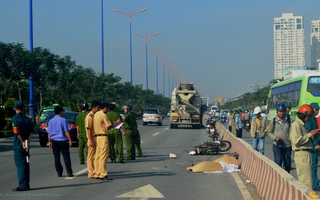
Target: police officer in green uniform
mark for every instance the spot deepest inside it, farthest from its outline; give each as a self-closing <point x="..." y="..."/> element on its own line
<point x="115" y="137"/>
<point x="23" y="131"/>
<point x="81" y="132"/>
<point x="130" y="125"/>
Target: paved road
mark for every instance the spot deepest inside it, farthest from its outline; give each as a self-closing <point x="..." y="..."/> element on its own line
<point x="155" y="176"/>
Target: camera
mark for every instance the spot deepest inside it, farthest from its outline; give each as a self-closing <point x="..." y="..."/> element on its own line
<point x="280" y="143"/>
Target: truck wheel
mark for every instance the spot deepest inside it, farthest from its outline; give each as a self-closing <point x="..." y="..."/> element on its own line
<point x="171" y="126"/>
<point x="144" y="124"/>
<point x="159" y="124"/>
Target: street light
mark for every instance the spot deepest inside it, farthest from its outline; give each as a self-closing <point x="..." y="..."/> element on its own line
<point x="31" y="105"/>
<point x="163" y="60"/>
<point x="130" y="14"/>
<point x="146" y="37"/>
<point x="169" y="77"/>
<point x="157" y="71"/>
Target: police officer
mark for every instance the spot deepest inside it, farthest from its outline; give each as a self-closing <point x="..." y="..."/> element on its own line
<point x="23" y="131"/>
<point x="81" y="132"/>
<point x="91" y="139"/>
<point x="101" y="125"/>
<point x="301" y="141"/>
<point x="279" y="132"/>
<point x="312" y="125"/>
<point x="115" y="137"/>
<point x="130" y="125"/>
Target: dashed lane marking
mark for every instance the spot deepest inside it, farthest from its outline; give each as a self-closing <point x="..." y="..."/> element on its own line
<point x="166" y="128"/>
<point x="156" y="134"/>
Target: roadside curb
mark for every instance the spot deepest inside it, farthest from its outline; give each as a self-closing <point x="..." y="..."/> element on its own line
<point x="271" y="181"/>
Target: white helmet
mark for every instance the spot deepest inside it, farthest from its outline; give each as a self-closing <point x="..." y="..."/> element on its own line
<point x="257" y="110"/>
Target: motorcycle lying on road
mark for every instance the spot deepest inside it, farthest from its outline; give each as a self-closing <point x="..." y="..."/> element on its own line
<point x="217" y="145"/>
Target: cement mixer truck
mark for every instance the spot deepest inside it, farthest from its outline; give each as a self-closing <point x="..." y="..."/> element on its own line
<point x="186" y="108"/>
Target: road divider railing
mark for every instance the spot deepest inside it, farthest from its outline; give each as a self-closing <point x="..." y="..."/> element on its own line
<point x="270" y="180"/>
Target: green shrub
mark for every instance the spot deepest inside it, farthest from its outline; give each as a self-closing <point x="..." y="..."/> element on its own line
<point x="2" y="118"/>
<point x="8" y="108"/>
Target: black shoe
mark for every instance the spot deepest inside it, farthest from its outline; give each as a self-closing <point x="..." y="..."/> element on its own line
<point x="70" y="175"/>
<point x="59" y="175"/>
<point x="81" y="163"/>
<point x="121" y="161"/>
<point x="19" y="189"/>
<point x="106" y="178"/>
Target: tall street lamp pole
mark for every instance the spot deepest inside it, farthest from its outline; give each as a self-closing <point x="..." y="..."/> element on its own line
<point x="130" y="14"/>
<point x="157" y="70"/>
<point x="31" y="94"/>
<point x="146" y="37"/>
<point x="102" y="40"/>
<point x="163" y="60"/>
<point x="169" y="77"/>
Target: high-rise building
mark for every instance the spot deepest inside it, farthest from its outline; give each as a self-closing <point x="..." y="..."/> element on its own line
<point x="289" y="44"/>
<point x="315" y="43"/>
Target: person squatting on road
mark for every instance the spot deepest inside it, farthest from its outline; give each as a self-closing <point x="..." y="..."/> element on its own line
<point x="130" y="125"/>
<point x="301" y="142"/>
<point x="81" y="132"/>
<point x="115" y="136"/>
<point x="279" y="132"/>
<point x="23" y="131"/>
<point x="259" y="128"/>
<point x="59" y="136"/>
<point x="312" y="125"/>
<point x="101" y="125"/>
<point x="91" y="139"/>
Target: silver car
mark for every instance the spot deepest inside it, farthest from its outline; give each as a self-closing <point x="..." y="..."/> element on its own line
<point x="152" y="116"/>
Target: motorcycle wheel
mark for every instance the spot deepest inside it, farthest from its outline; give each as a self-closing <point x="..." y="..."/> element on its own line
<point x="225" y="145"/>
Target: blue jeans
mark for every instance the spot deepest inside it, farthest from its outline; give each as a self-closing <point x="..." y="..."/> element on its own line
<point x="258" y="141"/>
<point x="282" y="154"/>
<point x="315" y="181"/>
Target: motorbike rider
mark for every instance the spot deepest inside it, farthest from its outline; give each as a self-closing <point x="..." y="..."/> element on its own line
<point x="247" y="120"/>
<point x="279" y="132"/>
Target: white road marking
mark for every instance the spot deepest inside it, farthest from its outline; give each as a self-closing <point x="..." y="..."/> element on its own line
<point x="166" y="128"/>
<point x="243" y="189"/>
<point x="145" y="192"/>
<point x="77" y="173"/>
<point x="156" y="134"/>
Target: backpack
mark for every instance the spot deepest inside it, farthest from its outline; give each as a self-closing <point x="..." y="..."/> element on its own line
<point x="274" y="123"/>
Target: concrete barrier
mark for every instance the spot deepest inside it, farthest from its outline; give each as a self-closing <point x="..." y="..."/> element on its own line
<point x="271" y="181"/>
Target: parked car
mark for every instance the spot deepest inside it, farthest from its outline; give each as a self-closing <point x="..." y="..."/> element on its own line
<point x="43" y="127"/>
<point x="152" y="116"/>
<point x="46" y="111"/>
<point x="168" y="114"/>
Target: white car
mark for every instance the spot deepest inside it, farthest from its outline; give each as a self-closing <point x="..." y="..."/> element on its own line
<point x="152" y="116"/>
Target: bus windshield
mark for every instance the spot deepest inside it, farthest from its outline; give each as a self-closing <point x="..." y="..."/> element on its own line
<point x="314" y="85"/>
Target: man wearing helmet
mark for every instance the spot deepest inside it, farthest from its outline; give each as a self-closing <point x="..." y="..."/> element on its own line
<point x="312" y="125"/>
<point x="301" y="142"/>
<point x="81" y="132"/>
<point x="279" y="132"/>
<point x="130" y="125"/>
<point x="259" y="128"/>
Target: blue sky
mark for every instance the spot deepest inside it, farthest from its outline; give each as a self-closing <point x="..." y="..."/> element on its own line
<point x="223" y="46"/>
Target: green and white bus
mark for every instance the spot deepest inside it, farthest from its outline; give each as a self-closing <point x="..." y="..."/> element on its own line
<point x="299" y="87"/>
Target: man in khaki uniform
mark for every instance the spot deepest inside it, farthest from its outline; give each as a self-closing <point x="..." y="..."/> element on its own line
<point x="301" y="142"/>
<point x="101" y="125"/>
<point x="91" y="140"/>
